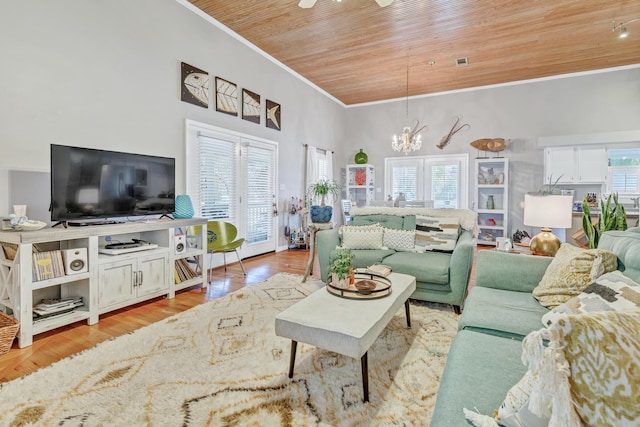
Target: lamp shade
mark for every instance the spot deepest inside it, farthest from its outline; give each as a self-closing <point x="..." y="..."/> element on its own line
<point x="551" y="211"/>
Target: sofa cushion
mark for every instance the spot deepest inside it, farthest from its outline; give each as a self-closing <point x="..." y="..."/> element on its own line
<point x="399" y="240"/>
<point x="610" y="292"/>
<point x="480" y="370"/>
<point x="500" y="312"/>
<point x="570" y="272"/>
<point x="388" y="221"/>
<point x="425" y="267"/>
<point x="626" y="245"/>
<point x="366" y="257"/>
<point x="436" y="234"/>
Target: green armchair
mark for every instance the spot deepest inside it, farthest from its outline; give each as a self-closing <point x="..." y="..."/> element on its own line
<point x="221" y="237"/>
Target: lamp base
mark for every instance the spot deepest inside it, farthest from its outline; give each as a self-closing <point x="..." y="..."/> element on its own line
<point x="545" y="243"/>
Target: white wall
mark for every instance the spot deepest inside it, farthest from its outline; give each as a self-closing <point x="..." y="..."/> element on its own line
<point x="106" y="74"/>
<point x="603" y="102"/>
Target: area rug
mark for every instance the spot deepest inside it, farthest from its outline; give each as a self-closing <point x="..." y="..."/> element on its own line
<point x="221" y="364"/>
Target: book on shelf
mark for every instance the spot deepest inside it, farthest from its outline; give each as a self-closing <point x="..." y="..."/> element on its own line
<point x="47" y="265"/>
<point x="183" y="271"/>
<point x="47" y="308"/>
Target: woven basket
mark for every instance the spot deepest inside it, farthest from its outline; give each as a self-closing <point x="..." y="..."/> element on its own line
<point x="8" y="330"/>
<point x="10" y="250"/>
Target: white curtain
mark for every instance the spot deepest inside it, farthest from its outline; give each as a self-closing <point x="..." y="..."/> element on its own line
<point x="312" y="167"/>
<point x="329" y="160"/>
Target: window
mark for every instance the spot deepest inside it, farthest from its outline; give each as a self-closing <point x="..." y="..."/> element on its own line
<point x="442" y="179"/>
<point x="232" y="178"/>
<point x="624" y="171"/>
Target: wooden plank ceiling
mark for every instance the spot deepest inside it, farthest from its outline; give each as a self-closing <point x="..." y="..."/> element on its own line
<point x="359" y="52"/>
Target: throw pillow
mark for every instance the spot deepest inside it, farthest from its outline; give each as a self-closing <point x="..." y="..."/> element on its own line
<point x="570" y="272"/>
<point x="399" y="240"/>
<point x="588" y="374"/>
<point x="436" y="234"/>
<point x="610" y="292"/>
<point x="362" y="237"/>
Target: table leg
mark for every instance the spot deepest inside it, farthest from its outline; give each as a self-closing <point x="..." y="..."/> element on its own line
<point x="406" y="310"/>
<point x="365" y="376"/>
<point x="292" y="358"/>
<point x="312" y="253"/>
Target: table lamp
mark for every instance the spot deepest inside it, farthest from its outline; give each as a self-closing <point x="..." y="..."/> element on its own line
<point x="550" y="211"/>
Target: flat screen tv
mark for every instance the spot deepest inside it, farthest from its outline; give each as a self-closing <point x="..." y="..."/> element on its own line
<point x="88" y="184"/>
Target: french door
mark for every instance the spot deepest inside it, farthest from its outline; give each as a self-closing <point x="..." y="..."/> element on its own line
<point x="232" y="177"/>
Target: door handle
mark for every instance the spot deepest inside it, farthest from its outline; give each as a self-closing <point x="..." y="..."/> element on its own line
<point x="135" y="279"/>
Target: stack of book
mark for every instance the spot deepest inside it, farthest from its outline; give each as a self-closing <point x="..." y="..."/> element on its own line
<point x="183" y="271"/>
<point x="48" y="308"/>
<point x="47" y="265"/>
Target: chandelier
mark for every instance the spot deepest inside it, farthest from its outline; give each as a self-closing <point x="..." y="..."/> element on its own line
<point x="410" y="138"/>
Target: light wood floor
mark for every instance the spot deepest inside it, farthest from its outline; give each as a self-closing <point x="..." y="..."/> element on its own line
<point x="55" y="345"/>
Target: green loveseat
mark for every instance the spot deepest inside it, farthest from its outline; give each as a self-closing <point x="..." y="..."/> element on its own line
<point x="484" y="359"/>
<point x="440" y="277"/>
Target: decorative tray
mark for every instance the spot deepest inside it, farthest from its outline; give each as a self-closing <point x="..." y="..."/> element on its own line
<point x="364" y="286"/>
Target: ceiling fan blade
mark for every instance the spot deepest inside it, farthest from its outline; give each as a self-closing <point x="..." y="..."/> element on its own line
<point x="306" y="4"/>
<point x="383" y="3"/>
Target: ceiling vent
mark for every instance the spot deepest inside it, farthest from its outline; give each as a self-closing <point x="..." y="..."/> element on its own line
<point x="462" y="62"/>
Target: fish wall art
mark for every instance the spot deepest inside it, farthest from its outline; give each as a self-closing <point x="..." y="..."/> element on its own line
<point x="194" y="86"/>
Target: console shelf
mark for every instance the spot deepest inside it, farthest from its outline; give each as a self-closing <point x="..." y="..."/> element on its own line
<point x="108" y="283"/>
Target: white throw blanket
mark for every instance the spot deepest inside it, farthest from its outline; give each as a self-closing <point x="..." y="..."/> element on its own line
<point x="466" y="217"/>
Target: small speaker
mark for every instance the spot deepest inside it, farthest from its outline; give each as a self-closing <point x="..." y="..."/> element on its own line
<point x="75" y="260"/>
<point x="181" y="243"/>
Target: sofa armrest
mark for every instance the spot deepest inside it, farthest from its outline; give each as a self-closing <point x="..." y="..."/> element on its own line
<point x="512" y="272"/>
<point x="460" y="267"/>
<point x="326" y="241"/>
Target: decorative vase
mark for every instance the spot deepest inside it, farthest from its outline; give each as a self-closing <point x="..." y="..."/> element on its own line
<point x="184" y="207"/>
<point x="320" y="214"/>
<point x="361" y="176"/>
<point x="361" y="158"/>
<point x="490" y="202"/>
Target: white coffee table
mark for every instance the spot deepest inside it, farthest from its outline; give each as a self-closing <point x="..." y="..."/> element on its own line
<point x="344" y="326"/>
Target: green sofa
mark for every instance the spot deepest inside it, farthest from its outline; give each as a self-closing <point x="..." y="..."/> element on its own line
<point x="484" y="359"/>
<point x="440" y="277"/>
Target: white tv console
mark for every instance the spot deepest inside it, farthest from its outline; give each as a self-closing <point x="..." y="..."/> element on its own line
<point x="110" y="282"/>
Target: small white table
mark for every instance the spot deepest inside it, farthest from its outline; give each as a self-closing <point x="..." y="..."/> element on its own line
<point x="344" y="326"/>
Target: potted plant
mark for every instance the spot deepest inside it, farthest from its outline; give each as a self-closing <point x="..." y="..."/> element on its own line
<point x="320" y="191"/>
<point x="342" y="269"/>
<point x="612" y="217"/>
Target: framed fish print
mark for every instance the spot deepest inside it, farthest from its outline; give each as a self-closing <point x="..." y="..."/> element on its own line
<point x="226" y="97"/>
<point x="250" y="106"/>
<point x="273" y="115"/>
<point x="194" y="86"/>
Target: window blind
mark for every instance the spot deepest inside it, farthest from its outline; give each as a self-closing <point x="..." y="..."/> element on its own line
<point x="217" y="187"/>
<point x="260" y="194"/>
<point x="445" y="184"/>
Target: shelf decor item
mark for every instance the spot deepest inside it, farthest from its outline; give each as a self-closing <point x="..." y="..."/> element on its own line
<point x="184" y="207"/>
<point x="361" y="158"/>
<point x="8" y="330"/>
<point x="491" y="204"/>
<point x="361" y="177"/>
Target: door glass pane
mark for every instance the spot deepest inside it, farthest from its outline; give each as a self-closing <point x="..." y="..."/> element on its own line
<point x="445" y="185"/>
<point x="260" y="193"/>
<point x="404" y="180"/>
<point x="217" y="187"/>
